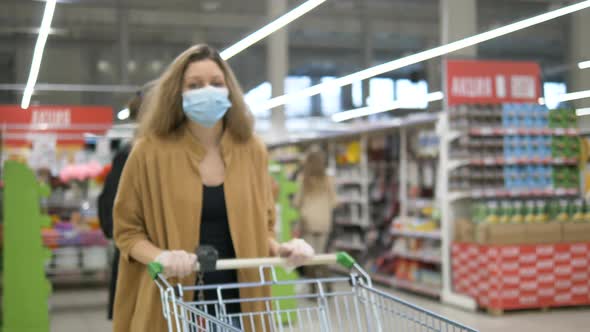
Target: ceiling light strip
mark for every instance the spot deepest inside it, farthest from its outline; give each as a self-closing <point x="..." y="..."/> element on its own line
<point x="584" y="64"/>
<point x="270" y="28"/>
<point x="422" y="56"/>
<point x="38" y="53"/>
<point x="370" y="110"/>
<point x="573" y="96"/>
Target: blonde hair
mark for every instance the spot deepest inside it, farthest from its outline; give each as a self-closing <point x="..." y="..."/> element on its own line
<point x="314" y="172"/>
<point x="162" y="113"/>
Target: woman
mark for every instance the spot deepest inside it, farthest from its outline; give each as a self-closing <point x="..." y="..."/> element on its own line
<point x="198" y="175"/>
<point x="315" y="199"/>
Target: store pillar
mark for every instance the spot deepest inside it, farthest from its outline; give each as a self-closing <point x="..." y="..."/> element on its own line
<point x="579" y="79"/>
<point x="277" y="63"/>
<point x="123" y="39"/>
<point x="346" y="97"/>
<point x="459" y="20"/>
<point x="366" y="35"/>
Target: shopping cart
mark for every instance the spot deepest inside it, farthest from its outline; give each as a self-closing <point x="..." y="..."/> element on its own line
<point x="353" y="305"/>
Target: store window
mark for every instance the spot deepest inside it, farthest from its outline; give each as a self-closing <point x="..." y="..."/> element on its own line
<point x="552" y="90"/>
<point x="381" y="91"/>
<point x="302" y="106"/>
<point x="331" y="99"/>
<point x="263" y="92"/>
<point x="357" y="94"/>
<point x="412" y="94"/>
<point x="257" y="96"/>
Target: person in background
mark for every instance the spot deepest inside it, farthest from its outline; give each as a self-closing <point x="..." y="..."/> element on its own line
<point x="197" y="175"/>
<point x="316" y="199"/>
<point x="106" y="199"/>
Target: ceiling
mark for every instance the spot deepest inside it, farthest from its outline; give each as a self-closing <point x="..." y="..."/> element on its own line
<point x="327" y="41"/>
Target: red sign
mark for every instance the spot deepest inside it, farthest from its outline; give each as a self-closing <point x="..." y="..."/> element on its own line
<point x="68" y="123"/>
<point x="492" y="82"/>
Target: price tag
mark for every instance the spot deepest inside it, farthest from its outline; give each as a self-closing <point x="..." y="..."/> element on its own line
<point x="486" y="131"/>
<point x="559" y="131"/>
<point x="489" y="161"/>
<point x="491" y="193"/>
<point x="511" y="131"/>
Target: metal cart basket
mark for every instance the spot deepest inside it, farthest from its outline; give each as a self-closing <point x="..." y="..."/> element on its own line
<point x="353" y="304"/>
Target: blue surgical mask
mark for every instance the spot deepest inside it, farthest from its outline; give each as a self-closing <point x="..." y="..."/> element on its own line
<point x="207" y="105"/>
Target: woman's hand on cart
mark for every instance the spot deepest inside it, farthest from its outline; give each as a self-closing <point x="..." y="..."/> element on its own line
<point x="177" y="263"/>
<point x="296" y="251"/>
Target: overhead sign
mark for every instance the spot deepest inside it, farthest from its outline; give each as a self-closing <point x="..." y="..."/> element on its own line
<point x="68" y="124"/>
<point x="492" y="82"/>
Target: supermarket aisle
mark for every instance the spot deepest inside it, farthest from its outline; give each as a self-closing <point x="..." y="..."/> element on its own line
<point x="84" y="310"/>
<point x="566" y="319"/>
<point x="79" y="310"/>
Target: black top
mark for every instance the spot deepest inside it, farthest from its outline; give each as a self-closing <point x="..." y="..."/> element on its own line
<point x="215" y="233"/>
<point x="106" y="200"/>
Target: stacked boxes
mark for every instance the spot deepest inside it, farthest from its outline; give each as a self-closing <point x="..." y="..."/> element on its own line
<point x="523" y="276"/>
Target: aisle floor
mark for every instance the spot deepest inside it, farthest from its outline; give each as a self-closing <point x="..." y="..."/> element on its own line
<point x="84" y="310"/>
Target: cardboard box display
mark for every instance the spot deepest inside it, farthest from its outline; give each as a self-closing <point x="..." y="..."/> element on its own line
<point x="500" y="234"/>
<point x="523" y="276"/>
<point x="543" y="233"/>
<point x="464" y="230"/>
<point x="548" y="233"/>
<point x="573" y="232"/>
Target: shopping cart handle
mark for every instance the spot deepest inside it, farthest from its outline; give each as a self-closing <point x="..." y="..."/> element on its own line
<point x="342" y="258"/>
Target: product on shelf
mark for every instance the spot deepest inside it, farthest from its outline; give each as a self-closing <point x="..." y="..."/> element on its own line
<point x="562" y="118"/>
<point x="526" y="146"/>
<point x="418" y="224"/>
<point x="530" y="211"/>
<point x="428" y="143"/>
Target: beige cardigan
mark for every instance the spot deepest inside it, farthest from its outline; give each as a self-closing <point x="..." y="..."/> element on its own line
<point x="159" y="199"/>
<point x="316" y="208"/>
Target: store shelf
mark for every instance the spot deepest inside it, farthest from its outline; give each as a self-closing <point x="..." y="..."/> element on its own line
<point x="288" y="159"/>
<point x="341" y="244"/>
<point x="499" y="131"/>
<point x="416" y="287"/>
<point x="350" y="200"/>
<point x="382" y="279"/>
<point x="425" y="258"/>
<point x="350" y="181"/>
<point x="518" y="193"/>
<point x="61" y="206"/>
<point x="420" y="203"/>
<point x="348" y="223"/>
<point x="418" y="234"/>
<point x="521" y="161"/>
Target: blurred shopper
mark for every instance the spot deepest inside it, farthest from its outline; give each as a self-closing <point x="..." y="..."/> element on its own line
<point x="316" y="200"/>
<point x="109" y="191"/>
<point x="196" y="176"/>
